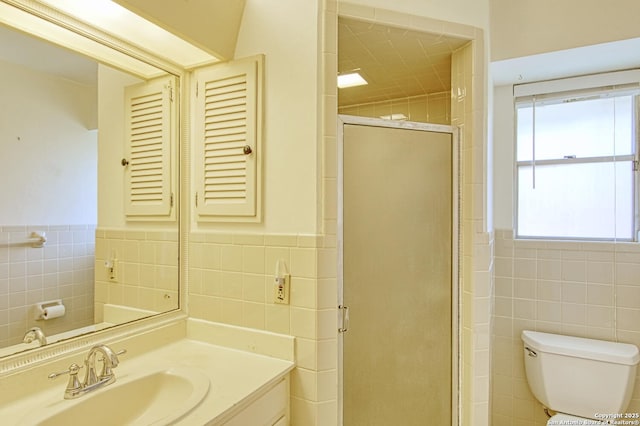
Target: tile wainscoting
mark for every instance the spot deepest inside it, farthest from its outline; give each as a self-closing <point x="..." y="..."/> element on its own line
<point x="586" y="289"/>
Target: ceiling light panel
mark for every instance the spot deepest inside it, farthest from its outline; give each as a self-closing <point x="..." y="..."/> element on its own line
<point x="351" y="80"/>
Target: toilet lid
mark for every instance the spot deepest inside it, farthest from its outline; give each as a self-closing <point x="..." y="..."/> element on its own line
<point x="565" y="419"/>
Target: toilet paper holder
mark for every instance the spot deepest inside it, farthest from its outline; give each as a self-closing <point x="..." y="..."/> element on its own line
<point x="43" y="308"/>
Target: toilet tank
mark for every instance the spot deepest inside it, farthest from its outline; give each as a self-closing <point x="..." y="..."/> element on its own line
<point x="578" y="376"/>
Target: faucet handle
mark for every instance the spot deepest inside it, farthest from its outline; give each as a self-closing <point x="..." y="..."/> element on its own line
<point x="72" y="371"/>
<point x="108" y="366"/>
<point x="74" y="385"/>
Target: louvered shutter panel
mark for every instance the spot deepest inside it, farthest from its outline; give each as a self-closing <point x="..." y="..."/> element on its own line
<point x="227" y="134"/>
<point x="149" y="134"/>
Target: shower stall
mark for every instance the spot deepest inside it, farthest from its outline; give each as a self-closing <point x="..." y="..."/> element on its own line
<point x="398" y="278"/>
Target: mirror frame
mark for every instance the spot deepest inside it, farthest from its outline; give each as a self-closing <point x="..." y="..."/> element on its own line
<point x="22" y="360"/>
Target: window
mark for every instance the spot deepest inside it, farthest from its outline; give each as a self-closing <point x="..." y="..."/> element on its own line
<point x="575" y="159"/>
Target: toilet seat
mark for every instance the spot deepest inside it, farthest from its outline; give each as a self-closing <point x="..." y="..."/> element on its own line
<point x="562" y="419"/>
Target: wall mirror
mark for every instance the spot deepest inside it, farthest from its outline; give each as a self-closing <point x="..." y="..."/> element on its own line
<point x="89" y="180"/>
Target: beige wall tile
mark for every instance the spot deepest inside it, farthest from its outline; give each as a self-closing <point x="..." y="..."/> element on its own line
<point x="204" y="307"/>
<point x="574" y="270"/>
<point x="600" y="316"/>
<point x="253" y="288"/>
<point x="327" y="263"/>
<point x="326" y="352"/>
<point x="277" y="318"/>
<point x="575" y="314"/>
<point x="273" y="255"/>
<point x="303" y="323"/>
<point x="503" y="267"/>
<point x="303" y="292"/>
<point x="248" y="239"/>
<point x="549" y="290"/>
<point x="253" y="259"/>
<point x="303" y="412"/>
<point x="211" y="284"/>
<point x="327" y="324"/>
<point x="578" y="300"/>
<point x="574" y="292"/>
<point x="253" y="315"/>
<point x="549" y="311"/>
<point x="304" y="384"/>
<point x="524" y="268"/>
<point x="628" y="319"/>
<point x="628" y="296"/>
<point x="327" y="289"/>
<point x="303" y="262"/>
<point x="231" y="258"/>
<point x="549" y="269"/>
<point x="503" y="307"/>
<point x="628" y="273"/>
<point x="231" y="285"/>
<point x="524" y="288"/>
<point x="503" y="286"/>
<point x="306" y="353"/>
<point x="524" y="309"/>
<point x="231" y="311"/>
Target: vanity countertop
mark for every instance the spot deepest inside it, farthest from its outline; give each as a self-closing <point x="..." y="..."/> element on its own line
<point x="236" y="377"/>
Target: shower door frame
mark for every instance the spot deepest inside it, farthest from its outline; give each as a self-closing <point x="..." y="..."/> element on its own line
<point x="456" y="403"/>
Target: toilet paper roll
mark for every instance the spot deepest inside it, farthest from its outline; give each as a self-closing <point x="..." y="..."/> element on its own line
<point x="55" y="311"/>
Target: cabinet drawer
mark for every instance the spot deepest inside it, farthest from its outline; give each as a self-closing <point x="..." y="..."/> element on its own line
<point x="266" y="410"/>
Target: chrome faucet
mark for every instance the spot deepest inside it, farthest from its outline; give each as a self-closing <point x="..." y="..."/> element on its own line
<point x="109" y="361"/>
<point x="92" y="380"/>
<point x="35" y="333"/>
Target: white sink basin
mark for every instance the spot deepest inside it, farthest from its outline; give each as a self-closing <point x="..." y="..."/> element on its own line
<point x="158" y="398"/>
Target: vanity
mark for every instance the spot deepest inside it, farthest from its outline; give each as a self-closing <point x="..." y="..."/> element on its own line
<point x="186" y="372"/>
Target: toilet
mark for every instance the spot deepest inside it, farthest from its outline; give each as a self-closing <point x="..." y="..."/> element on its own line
<point x="580" y="379"/>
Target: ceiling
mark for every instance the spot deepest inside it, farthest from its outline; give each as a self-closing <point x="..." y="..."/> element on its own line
<point x="397" y="62"/>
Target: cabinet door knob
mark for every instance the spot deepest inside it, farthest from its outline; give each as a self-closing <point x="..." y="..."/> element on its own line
<point x="124" y="162"/>
<point x="247" y="150"/>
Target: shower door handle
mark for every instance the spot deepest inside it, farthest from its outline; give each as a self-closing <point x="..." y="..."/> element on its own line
<point x="345" y="318"/>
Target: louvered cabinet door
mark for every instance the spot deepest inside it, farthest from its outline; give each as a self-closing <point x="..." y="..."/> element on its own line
<point x="227" y="141"/>
<point x="148" y="149"/>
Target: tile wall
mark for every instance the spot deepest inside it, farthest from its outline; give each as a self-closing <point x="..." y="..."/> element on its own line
<point x="434" y="108"/>
<point x="476" y="262"/>
<point x="586" y="289"/>
<point x="147" y="270"/>
<point x="231" y="281"/>
<point x="62" y="269"/>
<point x="468" y="112"/>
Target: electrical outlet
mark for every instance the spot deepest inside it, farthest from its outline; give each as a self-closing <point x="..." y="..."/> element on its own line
<point x="112" y="270"/>
<point x="282" y="289"/>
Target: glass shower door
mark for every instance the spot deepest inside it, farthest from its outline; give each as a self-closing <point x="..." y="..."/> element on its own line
<point x="397" y="276"/>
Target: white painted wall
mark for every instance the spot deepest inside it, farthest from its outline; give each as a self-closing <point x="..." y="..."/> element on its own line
<point x="111" y="145"/>
<point x="212" y="25"/>
<point x="503" y="156"/>
<point x="525" y="27"/>
<point x="48" y="148"/>
<point x="287" y="34"/>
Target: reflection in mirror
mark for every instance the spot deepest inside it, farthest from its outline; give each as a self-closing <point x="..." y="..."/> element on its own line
<point x="88" y="223"/>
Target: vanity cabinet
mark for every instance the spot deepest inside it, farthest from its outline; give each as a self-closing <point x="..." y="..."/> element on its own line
<point x="269" y="409"/>
<point x="227" y="129"/>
